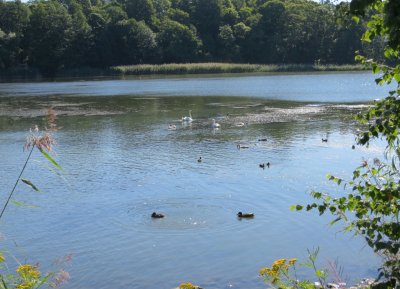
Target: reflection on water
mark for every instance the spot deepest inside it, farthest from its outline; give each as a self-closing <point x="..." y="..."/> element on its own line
<point x="123" y="163"/>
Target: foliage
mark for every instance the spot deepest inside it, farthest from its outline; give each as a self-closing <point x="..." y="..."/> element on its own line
<point x="187" y="286"/>
<point x="282" y="273"/>
<point x="28" y="276"/>
<point x="199" y="68"/>
<point x="372" y="207"/>
<point x="54" y="35"/>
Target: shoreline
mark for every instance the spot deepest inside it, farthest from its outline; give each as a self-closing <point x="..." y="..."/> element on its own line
<point x="172" y="69"/>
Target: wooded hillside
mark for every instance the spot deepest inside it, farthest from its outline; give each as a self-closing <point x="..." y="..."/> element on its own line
<point x="50" y="35"/>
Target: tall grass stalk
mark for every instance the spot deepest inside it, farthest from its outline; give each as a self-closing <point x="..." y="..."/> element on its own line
<point x="16" y="183"/>
<point x="204" y="68"/>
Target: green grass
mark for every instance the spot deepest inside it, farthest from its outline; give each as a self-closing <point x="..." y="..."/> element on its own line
<point x="202" y="68"/>
<point x="32" y="74"/>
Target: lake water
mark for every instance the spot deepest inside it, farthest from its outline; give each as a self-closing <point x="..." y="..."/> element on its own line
<point x="122" y="163"/>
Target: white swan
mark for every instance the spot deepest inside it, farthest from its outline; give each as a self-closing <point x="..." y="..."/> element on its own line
<point x="215" y="124"/>
<point x="188" y="118"/>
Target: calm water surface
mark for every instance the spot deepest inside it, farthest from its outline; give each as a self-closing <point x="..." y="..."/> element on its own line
<point x="122" y="163"/>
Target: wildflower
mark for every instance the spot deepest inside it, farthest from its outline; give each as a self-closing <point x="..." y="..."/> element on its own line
<point x="25" y="285"/>
<point x="186" y="286"/>
<point x="44" y="140"/>
<point x="292" y="261"/>
<point x="285" y="267"/>
<point x="28" y="271"/>
<point x="278" y="262"/>
<point x="265" y="271"/>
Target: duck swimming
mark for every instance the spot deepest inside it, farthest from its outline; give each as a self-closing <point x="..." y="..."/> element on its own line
<point x="262" y="166"/>
<point x="241" y="146"/>
<point x="245" y="215"/>
<point x="215" y="124"/>
<point x="199" y="160"/>
<point x="324" y="140"/>
<point x="188" y="118"/>
<point x="157" y="215"/>
<point x="172" y="127"/>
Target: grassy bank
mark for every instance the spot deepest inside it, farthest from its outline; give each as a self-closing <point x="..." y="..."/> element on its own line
<point x="32" y="74"/>
<point x="203" y="68"/>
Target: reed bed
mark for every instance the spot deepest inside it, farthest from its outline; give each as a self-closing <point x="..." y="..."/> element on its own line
<point x="205" y="68"/>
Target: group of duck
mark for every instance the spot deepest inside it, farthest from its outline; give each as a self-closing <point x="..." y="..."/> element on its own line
<point x="240" y="215"/>
<point x="214" y="125"/>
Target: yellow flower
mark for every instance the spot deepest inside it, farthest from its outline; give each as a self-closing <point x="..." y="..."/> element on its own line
<point x="186" y="286"/>
<point x="28" y="271"/>
<point x="292" y="261"/>
<point x="285" y="267"/>
<point x="25" y="285"/>
<point x="279" y="262"/>
<point x="2" y="258"/>
<point x="265" y="271"/>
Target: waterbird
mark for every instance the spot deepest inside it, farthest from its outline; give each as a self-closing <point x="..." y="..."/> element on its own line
<point x="262" y="166"/>
<point x="157" y="215"/>
<point x="239" y="124"/>
<point x="268" y="164"/>
<point x="188" y="118"/>
<point x="245" y="215"/>
<point x="199" y="160"/>
<point x="324" y="140"/>
<point x="262" y="139"/>
<point x="172" y="127"/>
<point x="242" y="146"/>
<point x="215" y="124"/>
<point x="353" y="147"/>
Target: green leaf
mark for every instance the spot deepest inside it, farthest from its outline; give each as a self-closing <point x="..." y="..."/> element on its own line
<point x="356" y="19"/>
<point x="336" y="220"/>
<point x="44" y="279"/>
<point x="320" y="273"/>
<point x="21" y="204"/>
<point x="3" y="283"/>
<point x="47" y="156"/>
<point x="29" y="183"/>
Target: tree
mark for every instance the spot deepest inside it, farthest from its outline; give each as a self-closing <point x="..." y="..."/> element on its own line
<point x="126" y="42"/>
<point x="48" y="36"/>
<point x="141" y="10"/>
<point x="177" y="42"/>
<point x="14" y="17"/>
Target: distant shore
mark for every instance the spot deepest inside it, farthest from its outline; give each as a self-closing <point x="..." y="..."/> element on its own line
<point x="32" y="74"/>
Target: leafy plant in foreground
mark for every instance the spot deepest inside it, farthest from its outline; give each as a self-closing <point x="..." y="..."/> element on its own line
<point x="372" y="207"/>
<point x="282" y="273"/>
<point x="28" y="276"/>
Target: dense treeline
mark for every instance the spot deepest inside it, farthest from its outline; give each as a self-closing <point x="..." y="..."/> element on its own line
<point x="55" y="34"/>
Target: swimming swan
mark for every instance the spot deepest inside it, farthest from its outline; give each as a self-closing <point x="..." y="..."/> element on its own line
<point x="188" y="118"/>
<point x="215" y="124"/>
